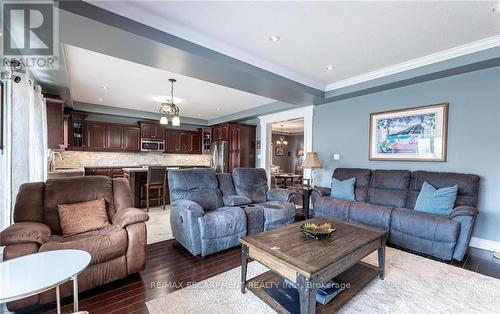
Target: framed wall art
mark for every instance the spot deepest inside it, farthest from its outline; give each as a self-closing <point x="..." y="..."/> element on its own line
<point x="411" y="134"/>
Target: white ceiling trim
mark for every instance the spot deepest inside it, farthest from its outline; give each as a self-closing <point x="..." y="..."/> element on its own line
<point x="444" y="55"/>
<point x="125" y="9"/>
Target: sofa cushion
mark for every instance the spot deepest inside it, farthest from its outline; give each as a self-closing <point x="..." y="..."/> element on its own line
<point x="436" y="201"/>
<point x="389" y="187"/>
<point x="369" y="214"/>
<point x="226" y="185"/>
<point x="277" y="214"/>
<point x="199" y="185"/>
<point x="222" y="222"/>
<point x="252" y="183"/>
<point x="236" y="200"/>
<point x="103" y="244"/>
<point x="424" y="232"/>
<point x="331" y="207"/>
<point x="82" y="217"/>
<point x="468" y="186"/>
<point x="75" y="190"/>
<point x="343" y="190"/>
<point x="362" y="179"/>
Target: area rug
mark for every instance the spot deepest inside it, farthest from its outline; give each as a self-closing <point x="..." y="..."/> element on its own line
<point x="158" y="225"/>
<point x="413" y="284"/>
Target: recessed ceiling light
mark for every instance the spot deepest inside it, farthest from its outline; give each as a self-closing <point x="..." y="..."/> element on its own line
<point x="104" y="87"/>
<point x="199" y="115"/>
<point x="100" y="99"/>
<point x="330" y="67"/>
<point x="496" y="8"/>
<point x="274" y="38"/>
<point x="218" y="109"/>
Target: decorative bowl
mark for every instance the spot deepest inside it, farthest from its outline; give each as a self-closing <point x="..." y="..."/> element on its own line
<point x="317" y="231"/>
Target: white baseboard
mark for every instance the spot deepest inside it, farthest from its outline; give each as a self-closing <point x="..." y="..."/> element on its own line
<point x="485" y="244"/>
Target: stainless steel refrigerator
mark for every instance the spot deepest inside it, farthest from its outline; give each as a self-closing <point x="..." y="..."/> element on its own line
<point x="219" y="156"/>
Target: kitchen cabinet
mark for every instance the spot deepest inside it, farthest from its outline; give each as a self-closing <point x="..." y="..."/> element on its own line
<point x="241" y="143"/>
<point x="55" y="123"/>
<point x="112" y="137"/>
<point x="151" y="130"/>
<point x="112" y="172"/>
<point x="74" y="123"/>
<point x="95" y="135"/>
<point x="182" y="142"/>
<point x="220" y="132"/>
<point x="131" y="138"/>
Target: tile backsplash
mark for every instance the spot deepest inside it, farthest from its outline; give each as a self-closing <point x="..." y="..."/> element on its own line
<point x="80" y="159"/>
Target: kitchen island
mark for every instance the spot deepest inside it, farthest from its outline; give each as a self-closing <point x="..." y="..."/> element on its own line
<point x="137" y="177"/>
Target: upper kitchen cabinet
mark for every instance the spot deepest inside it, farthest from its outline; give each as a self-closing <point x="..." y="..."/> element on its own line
<point x="112" y="137"/>
<point x="182" y="142"/>
<point x="55" y="123"/>
<point x="151" y="130"/>
<point x="220" y="132"/>
<point x="74" y="123"/>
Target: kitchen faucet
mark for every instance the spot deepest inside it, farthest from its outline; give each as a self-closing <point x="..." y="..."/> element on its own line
<point x="52" y="155"/>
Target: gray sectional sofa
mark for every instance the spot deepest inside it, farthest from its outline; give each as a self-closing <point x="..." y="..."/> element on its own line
<point x="211" y="212"/>
<point x="386" y="199"/>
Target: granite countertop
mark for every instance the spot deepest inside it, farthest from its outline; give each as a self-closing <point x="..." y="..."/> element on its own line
<point x="145" y="169"/>
<point x="68" y="170"/>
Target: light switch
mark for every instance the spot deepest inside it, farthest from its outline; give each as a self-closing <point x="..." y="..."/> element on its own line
<point x="336" y="156"/>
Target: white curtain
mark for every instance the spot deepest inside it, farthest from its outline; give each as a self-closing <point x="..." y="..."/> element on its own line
<point x="28" y="140"/>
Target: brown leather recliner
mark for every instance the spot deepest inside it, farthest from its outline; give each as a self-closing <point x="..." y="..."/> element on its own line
<point x="117" y="250"/>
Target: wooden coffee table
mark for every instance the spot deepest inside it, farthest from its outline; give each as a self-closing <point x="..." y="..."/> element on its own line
<point x="309" y="263"/>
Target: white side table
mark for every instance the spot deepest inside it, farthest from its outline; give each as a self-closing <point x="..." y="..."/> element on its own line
<point x="35" y="273"/>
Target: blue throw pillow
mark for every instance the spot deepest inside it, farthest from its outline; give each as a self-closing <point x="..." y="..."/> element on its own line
<point x="343" y="190"/>
<point x="436" y="201"/>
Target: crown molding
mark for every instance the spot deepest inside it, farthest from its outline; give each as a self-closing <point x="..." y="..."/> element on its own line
<point x="483" y="44"/>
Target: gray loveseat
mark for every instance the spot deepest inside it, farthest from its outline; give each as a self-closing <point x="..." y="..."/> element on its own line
<point x="211" y="212"/>
<point x="386" y="199"/>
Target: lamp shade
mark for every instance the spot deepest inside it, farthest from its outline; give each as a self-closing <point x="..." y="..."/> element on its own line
<point x="312" y="161"/>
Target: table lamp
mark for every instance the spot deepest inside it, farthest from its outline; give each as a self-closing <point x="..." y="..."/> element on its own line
<point x="312" y="162"/>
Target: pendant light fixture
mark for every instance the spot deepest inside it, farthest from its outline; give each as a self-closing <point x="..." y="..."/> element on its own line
<point x="281" y="142"/>
<point x="169" y="110"/>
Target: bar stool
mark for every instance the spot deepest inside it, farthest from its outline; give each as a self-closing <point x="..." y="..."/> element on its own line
<point x="156" y="181"/>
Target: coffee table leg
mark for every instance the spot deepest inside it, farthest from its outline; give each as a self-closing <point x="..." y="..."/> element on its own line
<point x="244" y="263"/>
<point x="58" y="300"/>
<point x="381" y="261"/>
<point x="307" y="295"/>
<point x="75" y="294"/>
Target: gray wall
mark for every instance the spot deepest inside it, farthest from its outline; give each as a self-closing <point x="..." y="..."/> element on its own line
<point x="473" y="134"/>
<point x="287" y="163"/>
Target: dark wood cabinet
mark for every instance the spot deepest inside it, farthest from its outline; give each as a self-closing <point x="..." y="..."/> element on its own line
<point x="55" y="123"/>
<point x="220" y="132"/>
<point x="74" y="127"/>
<point x="131" y="138"/>
<point x="241" y="143"/>
<point x="151" y="130"/>
<point x="182" y="142"/>
<point x="114" y="137"/>
<point x="95" y="135"/>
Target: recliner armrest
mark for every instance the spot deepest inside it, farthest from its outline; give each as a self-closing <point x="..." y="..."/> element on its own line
<point x="189" y="205"/>
<point x="278" y="194"/>
<point x="321" y="191"/>
<point x="129" y="216"/>
<point x="463" y="211"/>
<point x="25" y="232"/>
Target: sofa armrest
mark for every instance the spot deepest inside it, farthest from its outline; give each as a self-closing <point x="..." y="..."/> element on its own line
<point x="321" y="191"/>
<point x="184" y="218"/>
<point x="463" y="211"/>
<point x="129" y="216"/>
<point x="277" y="194"/>
<point x="25" y="232"/>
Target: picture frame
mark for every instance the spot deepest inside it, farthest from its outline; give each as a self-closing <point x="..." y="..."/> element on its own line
<point x="409" y="134"/>
<point x="278" y="151"/>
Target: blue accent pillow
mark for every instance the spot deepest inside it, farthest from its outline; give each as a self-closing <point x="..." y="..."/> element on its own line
<point x="436" y="201"/>
<point x="343" y="190"/>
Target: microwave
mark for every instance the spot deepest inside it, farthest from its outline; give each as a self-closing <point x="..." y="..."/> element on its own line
<point x="148" y="145"/>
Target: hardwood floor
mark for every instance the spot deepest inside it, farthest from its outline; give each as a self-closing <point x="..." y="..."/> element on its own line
<point x="170" y="267"/>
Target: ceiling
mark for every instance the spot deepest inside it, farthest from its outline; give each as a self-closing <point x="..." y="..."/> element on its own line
<point x="134" y="86"/>
<point x="354" y="37"/>
<point x="289" y="127"/>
